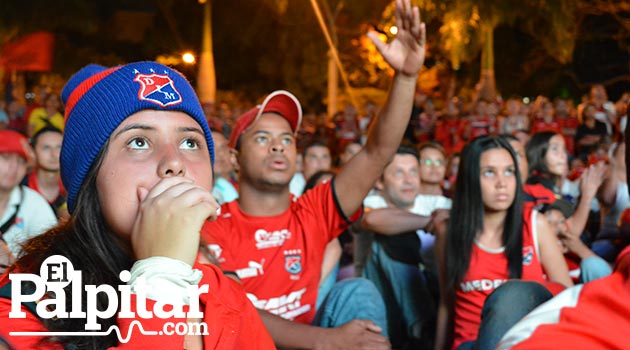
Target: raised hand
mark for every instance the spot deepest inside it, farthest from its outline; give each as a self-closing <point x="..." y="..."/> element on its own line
<point x="170" y="218"/>
<point x="592" y="178"/>
<point x="405" y="53"/>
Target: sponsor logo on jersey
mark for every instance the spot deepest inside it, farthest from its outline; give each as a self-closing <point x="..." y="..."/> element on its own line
<point x="271" y="239"/>
<point x="253" y="269"/>
<point x="287" y="306"/>
<point x="528" y="255"/>
<point x="158" y="88"/>
<point x="293" y="264"/>
<point x="481" y="285"/>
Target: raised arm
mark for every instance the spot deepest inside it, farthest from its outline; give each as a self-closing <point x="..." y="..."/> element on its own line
<point x="405" y="54"/>
<point x="590" y="181"/>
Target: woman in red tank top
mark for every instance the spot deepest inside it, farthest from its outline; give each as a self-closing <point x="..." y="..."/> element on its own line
<point x="490" y="240"/>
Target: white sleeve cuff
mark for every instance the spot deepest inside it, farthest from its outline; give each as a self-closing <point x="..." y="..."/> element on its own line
<point x="166" y="279"/>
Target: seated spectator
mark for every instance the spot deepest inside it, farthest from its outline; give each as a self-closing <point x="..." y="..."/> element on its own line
<point x="46" y="177"/>
<point x="223" y="190"/>
<point x="546" y="120"/>
<point x="315" y="157"/>
<point x="48" y="115"/>
<point x="584" y="265"/>
<point x="288" y="236"/>
<point x="398" y="218"/>
<point x="138" y="195"/>
<point x="23" y="212"/>
<point x="548" y="165"/>
<point x="590" y="133"/>
<point x="486" y="245"/>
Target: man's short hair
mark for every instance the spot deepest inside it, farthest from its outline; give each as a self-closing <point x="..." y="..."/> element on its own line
<point x="316" y="143"/>
<point x="431" y="145"/>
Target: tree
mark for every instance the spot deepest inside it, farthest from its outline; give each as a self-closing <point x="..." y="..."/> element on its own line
<point x="468" y="28"/>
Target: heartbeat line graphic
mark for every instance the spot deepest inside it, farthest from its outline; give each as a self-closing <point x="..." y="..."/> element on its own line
<point x="108" y="332"/>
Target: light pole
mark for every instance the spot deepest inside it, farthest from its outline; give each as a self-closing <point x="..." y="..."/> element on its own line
<point x="206" y="78"/>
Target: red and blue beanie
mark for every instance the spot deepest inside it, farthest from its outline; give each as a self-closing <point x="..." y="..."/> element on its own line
<point x="98" y="99"/>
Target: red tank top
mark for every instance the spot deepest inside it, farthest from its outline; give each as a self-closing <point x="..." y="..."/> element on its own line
<point x="487" y="271"/>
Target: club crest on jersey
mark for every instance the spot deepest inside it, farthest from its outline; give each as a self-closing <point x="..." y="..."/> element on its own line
<point x="158" y="88"/>
<point x="293" y="264"/>
<point x="528" y="255"/>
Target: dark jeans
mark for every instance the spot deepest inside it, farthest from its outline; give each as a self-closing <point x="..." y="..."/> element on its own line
<point x="410" y="306"/>
<point x="504" y="308"/>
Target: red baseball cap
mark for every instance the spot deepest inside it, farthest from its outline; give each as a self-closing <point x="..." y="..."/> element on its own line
<point x="14" y="142"/>
<point x="280" y="102"/>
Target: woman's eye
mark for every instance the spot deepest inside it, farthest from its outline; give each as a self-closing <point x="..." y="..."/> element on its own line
<point x="261" y="139"/>
<point x="488" y="173"/>
<point x="191" y="144"/>
<point x="509" y="172"/>
<point x="138" y="143"/>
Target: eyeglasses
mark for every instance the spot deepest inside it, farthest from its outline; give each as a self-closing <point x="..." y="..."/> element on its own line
<point x="430" y="162"/>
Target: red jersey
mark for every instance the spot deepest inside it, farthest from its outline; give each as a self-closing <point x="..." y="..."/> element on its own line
<point x="537" y="194"/>
<point x="232" y="322"/>
<point x="487" y="271"/>
<point x="595" y="315"/>
<point x="444" y="129"/>
<point x="540" y="126"/>
<point x="569" y="128"/>
<point x="33" y="184"/>
<point x="279" y="258"/>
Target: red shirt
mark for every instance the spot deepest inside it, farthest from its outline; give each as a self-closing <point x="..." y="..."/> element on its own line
<point x="486" y="272"/>
<point x="34" y="185"/>
<point x="232" y="322"/>
<point x="595" y="315"/>
<point x="444" y="129"/>
<point x="279" y="258"/>
<point x="540" y="125"/>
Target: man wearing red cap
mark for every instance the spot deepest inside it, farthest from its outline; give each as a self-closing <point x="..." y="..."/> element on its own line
<point x="23" y="212"/>
<point x="275" y="243"/>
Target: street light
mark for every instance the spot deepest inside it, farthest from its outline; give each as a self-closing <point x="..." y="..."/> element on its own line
<point x="188" y="58"/>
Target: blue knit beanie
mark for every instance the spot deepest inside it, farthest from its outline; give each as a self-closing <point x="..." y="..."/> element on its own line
<point x="98" y="99"/>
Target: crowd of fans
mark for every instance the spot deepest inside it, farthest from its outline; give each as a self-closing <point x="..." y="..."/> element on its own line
<point x="338" y="234"/>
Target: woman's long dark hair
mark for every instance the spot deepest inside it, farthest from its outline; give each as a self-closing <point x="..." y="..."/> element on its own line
<point x="536" y="150"/>
<point x="86" y="240"/>
<point x="466" y="219"/>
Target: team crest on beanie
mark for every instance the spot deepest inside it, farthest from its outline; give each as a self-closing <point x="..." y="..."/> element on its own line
<point x="98" y="99"/>
<point x="158" y="88"/>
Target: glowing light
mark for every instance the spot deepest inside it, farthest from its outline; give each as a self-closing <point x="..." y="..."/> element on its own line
<point x="393" y="30"/>
<point x="188" y="58"/>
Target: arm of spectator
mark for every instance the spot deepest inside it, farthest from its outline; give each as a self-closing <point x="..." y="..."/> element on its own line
<point x="588" y="140"/>
<point x="356" y="334"/>
<point x="393" y="221"/>
<point x="590" y="181"/>
<point x="551" y="257"/>
<point x="405" y="54"/>
<point x="444" y="326"/>
<point x="332" y="254"/>
<point x="607" y="192"/>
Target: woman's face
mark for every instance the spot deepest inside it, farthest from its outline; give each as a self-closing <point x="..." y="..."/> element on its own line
<point x="556" y="156"/>
<point x="148" y="146"/>
<point x="497" y="179"/>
